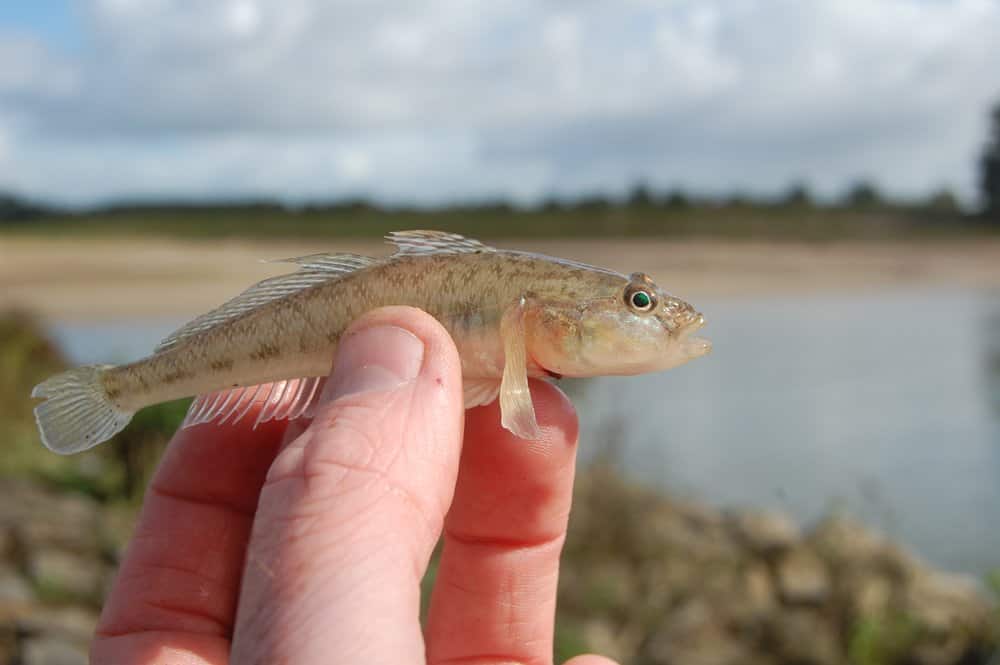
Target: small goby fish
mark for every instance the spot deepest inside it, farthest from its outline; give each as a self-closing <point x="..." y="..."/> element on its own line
<point x="512" y="315"/>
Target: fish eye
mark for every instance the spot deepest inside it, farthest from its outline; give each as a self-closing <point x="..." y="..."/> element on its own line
<point x="640" y="301"/>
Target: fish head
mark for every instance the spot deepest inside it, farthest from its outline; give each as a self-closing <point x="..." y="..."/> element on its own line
<point x="630" y="326"/>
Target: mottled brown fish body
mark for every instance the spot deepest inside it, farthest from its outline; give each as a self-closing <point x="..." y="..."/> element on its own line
<point x="297" y="336"/>
<point x="512" y="315"/>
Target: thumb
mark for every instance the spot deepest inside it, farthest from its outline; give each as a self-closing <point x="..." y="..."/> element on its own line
<point x="353" y="507"/>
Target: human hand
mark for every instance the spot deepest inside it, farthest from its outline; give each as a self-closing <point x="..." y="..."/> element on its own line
<point x="306" y="543"/>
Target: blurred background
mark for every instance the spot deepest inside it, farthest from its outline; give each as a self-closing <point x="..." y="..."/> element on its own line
<point x="821" y="179"/>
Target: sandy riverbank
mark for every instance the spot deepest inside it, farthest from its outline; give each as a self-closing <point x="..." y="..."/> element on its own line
<point x="100" y="278"/>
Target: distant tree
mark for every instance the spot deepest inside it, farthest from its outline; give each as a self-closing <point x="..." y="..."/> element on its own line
<point x="495" y="206"/>
<point x="551" y="204"/>
<point x="943" y="201"/>
<point x="355" y="205"/>
<point x="591" y="202"/>
<point x="640" y="195"/>
<point x="797" y="195"/>
<point x="677" y="199"/>
<point x="990" y="170"/>
<point x="15" y="209"/>
<point x="863" y="194"/>
<point x="738" y="200"/>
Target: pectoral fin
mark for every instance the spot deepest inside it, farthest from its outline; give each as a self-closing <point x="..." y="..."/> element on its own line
<point x="479" y="392"/>
<point x="517" y="413"/>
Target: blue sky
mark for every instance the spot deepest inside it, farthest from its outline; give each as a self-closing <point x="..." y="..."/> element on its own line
<point x="444" y="100"/>
<point x="53" y="21"/>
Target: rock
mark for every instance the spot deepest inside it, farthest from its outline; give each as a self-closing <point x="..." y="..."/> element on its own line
<point x="766" y="533"/>
<point x="8" y="647"/>
<point x="700" y="514"/>
<point x="803" y="577"/>
<point x="70" y="522"/>
<point x="748" y="603"/>
<point x="693" y="635"/>
<point x="14" y="589"/>
<point x="655" y="593"/>
<point x="661" y="526"/>
<point x="758" y="589"/>
<point x="669" y="532"/>
<point x="844" y="540"/>
<point x="65" y="623"/>
<point x="6" y="544"/>
<point x="18" y="496"/>
<point x="848" y="545"/>
<point x="60" y="572"/>
<point x="805" y="637"/>
<point x="35" y="517"/>
<point x="944" y="603"/>
<point x="610" y="588"/>
<point x="117" y="524"/>
<point x="868" y="594"/>
<point x="52" y="651"/>
<point x="617" y="644"/>
<point x="678" y="577"/>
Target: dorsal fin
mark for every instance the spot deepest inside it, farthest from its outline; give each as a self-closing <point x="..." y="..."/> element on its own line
<point x="435" y="242"/>
<point x="316" y="269"/>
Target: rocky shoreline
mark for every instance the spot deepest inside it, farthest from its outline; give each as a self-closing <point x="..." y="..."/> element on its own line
<point x="57" y="556"/>
<point x="645" y="579"/>
<point x="679" y="582"/>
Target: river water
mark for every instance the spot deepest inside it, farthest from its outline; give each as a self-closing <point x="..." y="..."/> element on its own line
<point x="884" y="406"/>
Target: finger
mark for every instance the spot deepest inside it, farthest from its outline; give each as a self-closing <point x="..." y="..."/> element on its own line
<point x="175" y="593"/>
<point x="353" y="507"/>
<point x="495" y="592"/>
<point x="299" y="425"/>
<point x="590" y="659"/>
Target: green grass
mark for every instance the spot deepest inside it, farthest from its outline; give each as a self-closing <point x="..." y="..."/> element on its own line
<point x="882" y="640"/>
<point x="570" y="639"/>
<point x="993" y="582"/>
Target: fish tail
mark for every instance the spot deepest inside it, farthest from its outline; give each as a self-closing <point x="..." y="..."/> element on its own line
<point x="77" y="413"/>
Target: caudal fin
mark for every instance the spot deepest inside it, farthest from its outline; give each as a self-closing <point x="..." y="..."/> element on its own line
<point x="77" y="414"/>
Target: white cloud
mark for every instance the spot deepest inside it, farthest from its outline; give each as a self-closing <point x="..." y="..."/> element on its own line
<point x="244" y="18"/>
<point x="4" y="147"/>
<point x="450" y="99"/>
<point x="29" y="72"/>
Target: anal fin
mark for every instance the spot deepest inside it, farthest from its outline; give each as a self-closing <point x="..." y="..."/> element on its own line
<point x="281" y="400"/>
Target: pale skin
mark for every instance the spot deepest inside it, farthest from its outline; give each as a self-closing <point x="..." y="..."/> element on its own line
<point x="306" y="542"/>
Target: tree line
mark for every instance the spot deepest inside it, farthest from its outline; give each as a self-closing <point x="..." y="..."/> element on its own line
<point x="989" y="171"/>
<point x="864" y="195"/>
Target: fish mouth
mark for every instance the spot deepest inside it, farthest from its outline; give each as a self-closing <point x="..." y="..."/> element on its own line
<point x="694" y="347"/>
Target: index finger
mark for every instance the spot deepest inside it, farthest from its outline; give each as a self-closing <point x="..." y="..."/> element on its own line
<point x="495" y="594"/>
<point x="175" y="593"/>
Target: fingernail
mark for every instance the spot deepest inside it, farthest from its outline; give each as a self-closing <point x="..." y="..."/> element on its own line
<point x="374" y="359"/>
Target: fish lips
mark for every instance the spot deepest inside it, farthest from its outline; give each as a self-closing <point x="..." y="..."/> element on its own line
<point x="694" y="347"/>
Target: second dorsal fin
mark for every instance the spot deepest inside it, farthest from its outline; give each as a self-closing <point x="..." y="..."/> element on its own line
<point x="316" y="269"/>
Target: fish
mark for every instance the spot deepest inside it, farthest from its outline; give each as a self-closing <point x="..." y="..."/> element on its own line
<point x="513" y="315"/>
